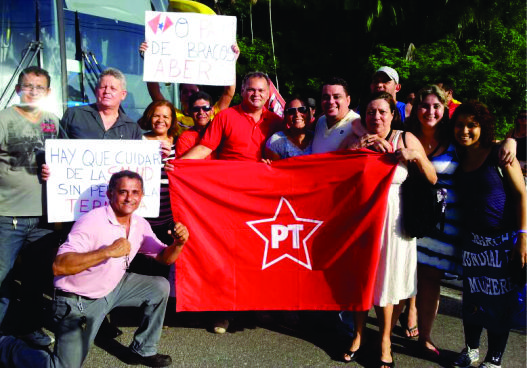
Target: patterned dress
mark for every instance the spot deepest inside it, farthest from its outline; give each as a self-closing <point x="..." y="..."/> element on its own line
<point x="441" y="251"/>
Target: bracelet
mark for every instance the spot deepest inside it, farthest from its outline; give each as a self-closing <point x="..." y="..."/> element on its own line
<point x="521" y="232"/>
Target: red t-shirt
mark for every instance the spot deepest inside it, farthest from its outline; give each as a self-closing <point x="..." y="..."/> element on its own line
<point x="236" y="136"/>
<point x="186" y="141"/>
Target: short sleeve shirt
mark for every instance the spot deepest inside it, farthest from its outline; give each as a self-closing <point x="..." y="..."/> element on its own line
<point x="100" y="228"/>
<point x="186" y="141"/>
<point x="85" y="122"/>
<point x="329" y="139"/>
<point x="21" y="153"/>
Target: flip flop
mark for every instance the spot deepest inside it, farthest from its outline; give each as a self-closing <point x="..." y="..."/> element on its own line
<point x="385" y="364"/>
<point x="409" y="332"/>
<point x="351" y="354"/>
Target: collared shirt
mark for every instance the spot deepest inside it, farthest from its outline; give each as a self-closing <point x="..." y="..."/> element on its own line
<point x="329" y="139"/>
<point x="85" y="122"/>
<point x="237" y="136"/>
<point x="97" y="229"/>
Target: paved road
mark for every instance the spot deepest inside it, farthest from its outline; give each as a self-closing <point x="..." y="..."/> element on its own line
<point x="273" y="344"/>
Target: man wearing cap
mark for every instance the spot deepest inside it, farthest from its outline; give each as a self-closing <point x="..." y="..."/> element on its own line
<point x="386" y="79"/>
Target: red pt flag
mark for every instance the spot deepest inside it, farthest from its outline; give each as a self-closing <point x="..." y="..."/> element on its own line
<point x="300" y="234"/>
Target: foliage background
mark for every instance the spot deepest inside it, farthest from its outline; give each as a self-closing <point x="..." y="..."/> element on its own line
<point x="480" y="45"/>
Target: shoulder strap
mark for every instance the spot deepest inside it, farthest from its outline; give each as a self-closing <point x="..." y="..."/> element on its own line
<point x="404" y="139"/>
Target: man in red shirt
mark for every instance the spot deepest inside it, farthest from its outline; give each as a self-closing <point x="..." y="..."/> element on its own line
<point x="240" y="132"/>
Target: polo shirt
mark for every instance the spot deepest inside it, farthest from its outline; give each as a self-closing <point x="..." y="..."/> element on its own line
<point x="329" y="139"/>
<point x="236" y="136"/>
<point x="100" y="228"/>
<point x="85" y="122"/>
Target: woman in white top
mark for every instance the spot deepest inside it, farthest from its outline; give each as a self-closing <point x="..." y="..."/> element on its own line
<point x="396" y="278"/>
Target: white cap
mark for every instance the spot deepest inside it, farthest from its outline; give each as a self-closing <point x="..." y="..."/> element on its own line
<point x="390" y="72"/>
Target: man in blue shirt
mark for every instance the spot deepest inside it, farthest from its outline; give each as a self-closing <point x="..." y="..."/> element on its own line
<point x="386" y="79"/>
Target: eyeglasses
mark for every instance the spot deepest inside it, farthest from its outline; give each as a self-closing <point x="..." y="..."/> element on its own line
<point x="30" y="87"/>
<point x="292" y="110"/>
<point x="200" y="108"/>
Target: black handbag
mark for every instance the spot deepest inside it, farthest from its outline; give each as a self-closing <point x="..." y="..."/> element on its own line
<point x="423" y="204"/>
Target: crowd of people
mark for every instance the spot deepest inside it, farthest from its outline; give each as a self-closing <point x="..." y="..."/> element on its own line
<point x="451" y="145"/>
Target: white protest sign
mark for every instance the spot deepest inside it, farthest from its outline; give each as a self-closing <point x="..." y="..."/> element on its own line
<point x="81" y="169"/>
<point x="190" y="48"/>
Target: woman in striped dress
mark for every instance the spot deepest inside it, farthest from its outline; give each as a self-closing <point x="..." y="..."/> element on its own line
<point x="437" y="254"/>
<point x="158" y="120"/>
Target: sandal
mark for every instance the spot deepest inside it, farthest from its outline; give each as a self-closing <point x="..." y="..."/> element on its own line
<point x="432" y="355"/>
<point x="351" y="354"/>
<point x="411" y="333"/>
<point x="385" y="364"/>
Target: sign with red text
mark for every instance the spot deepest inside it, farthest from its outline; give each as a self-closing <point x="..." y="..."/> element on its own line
<point x="300" y="234"/>
<point x="190" y="48"/>
<point x="81" y="169"/>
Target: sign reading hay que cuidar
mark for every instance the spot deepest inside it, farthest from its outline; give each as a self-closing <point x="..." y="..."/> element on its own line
<point x="81" y="169"/>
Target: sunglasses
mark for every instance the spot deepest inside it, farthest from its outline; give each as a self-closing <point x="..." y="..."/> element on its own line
<point x="199" y="108"/>
<point x="292" y="110"/>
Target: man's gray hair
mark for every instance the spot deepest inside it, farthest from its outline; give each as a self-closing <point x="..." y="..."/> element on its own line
<point x="116" y="73"/>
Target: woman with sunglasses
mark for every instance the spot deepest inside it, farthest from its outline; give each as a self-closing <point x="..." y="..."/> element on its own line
<point x="295" y="140"/>
<point x="200" y="107"/>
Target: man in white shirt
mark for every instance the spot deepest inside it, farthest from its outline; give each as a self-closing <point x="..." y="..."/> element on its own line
<point x="336" y="123"/>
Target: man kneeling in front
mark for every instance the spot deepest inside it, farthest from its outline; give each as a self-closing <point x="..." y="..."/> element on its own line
<point x="91" y="280"/>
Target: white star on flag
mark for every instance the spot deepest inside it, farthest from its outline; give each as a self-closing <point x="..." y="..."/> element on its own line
<point x="279" y="229"/>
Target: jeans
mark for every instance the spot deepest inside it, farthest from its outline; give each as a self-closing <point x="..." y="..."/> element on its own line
<point x="78" y="320"/>
<point x="16" y="234"/>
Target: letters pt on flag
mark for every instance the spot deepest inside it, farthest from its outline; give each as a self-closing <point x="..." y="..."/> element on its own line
<point x="301" y="234"/>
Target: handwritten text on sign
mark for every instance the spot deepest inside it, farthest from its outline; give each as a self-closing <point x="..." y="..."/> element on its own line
<point x="190" y="48"/>
<point x="81" y="169"/>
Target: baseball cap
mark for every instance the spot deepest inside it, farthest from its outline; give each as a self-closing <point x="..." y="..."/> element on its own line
<point x="390" y="72"/>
